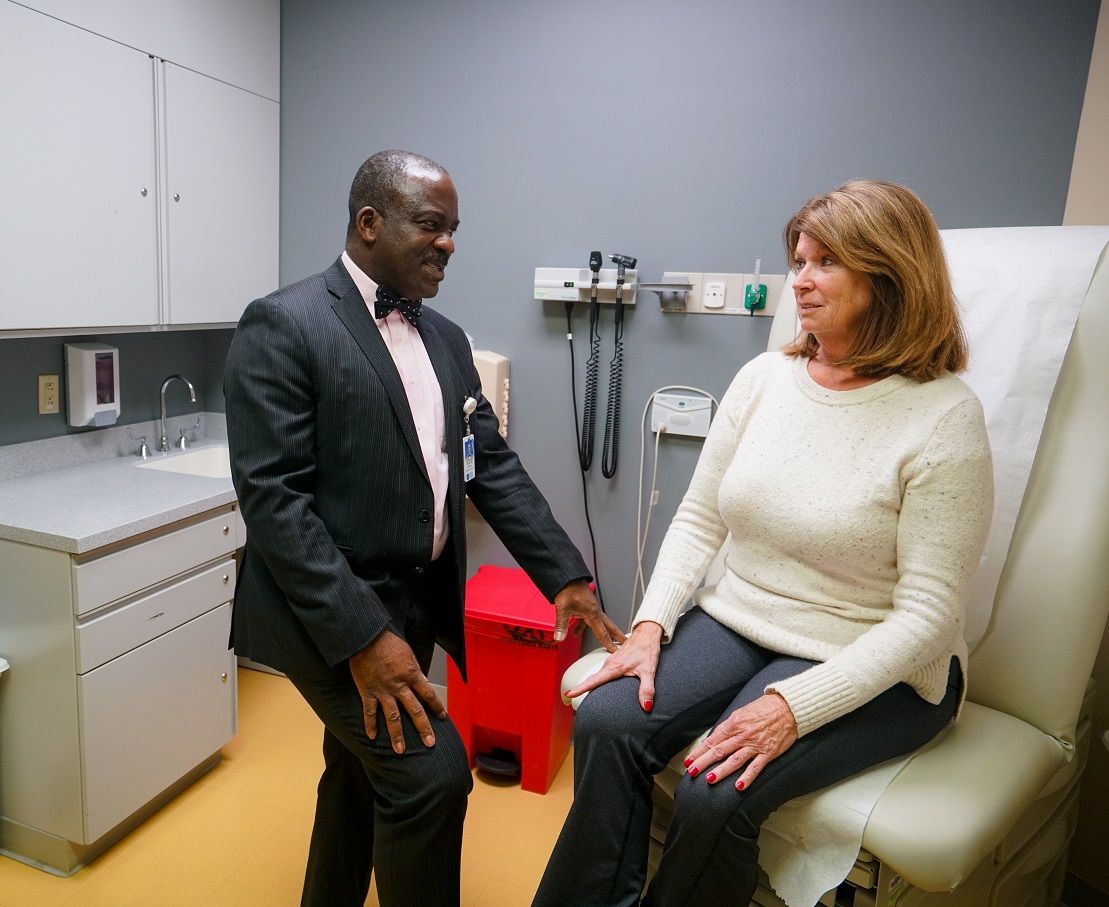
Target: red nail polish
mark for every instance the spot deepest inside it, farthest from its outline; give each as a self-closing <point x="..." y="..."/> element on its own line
<point x="688" y="761"/>
<point x="694" y="772"/>
<point x="739" y="785"/>
<point x="711" y="777"/>
<point x="648" y="705"/>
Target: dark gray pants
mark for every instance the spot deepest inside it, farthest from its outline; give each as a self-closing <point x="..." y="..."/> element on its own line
<point x="711" y="852"/>
<point x="400" y="816"/>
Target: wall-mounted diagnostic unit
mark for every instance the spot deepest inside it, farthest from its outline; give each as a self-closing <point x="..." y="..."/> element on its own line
<point x="92" y="384"/>
<point x="573" y="284"/>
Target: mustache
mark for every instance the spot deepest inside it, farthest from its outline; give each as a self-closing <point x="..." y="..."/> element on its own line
<point x="440" y="260"/>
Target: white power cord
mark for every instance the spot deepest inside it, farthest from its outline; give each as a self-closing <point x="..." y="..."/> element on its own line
<point x="639" y="586"/>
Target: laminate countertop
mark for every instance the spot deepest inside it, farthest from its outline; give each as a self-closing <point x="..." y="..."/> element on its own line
<point x="79" y="508"/>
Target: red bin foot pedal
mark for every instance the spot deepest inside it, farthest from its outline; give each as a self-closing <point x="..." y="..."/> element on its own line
<point x="501" y="763"/>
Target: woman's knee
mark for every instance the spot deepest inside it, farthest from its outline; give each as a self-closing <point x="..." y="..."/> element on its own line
<point x="715" y="806"/>
<point x="608" y="712"/>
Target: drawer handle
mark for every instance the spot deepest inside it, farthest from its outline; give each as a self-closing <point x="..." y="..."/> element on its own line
<point x="226" y="579"/>
<point x="223" y="677"/>
<point x="226" y="530"/>
<point x="156" y="616"/>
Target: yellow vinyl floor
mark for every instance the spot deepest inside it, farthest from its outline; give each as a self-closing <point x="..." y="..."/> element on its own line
<point x="238" y="837"/>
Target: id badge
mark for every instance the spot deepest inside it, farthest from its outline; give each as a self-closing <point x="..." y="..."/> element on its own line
<point x="469" y="463"/>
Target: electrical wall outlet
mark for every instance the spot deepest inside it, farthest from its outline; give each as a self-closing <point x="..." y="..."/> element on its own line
<point x="713" y="297"/>
<point x="48" y="395"/>
<point x="722" y="294"/>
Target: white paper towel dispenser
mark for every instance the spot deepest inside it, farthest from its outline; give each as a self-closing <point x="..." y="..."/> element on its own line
<point x="92" y="384"/>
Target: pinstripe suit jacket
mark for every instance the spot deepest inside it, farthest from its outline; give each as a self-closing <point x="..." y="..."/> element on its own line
<point x="333" y="487"/>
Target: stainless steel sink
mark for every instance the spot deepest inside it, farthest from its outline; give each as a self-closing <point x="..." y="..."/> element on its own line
<point x="208" y="462"/>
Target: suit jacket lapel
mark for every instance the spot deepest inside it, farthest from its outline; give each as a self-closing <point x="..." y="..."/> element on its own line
<point x="350" y="307"/>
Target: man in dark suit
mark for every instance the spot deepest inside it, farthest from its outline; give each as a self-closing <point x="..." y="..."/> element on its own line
<point x="348" y="408"/>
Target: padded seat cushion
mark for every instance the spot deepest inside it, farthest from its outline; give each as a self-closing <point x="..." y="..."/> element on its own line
<point x="955" y="800"/>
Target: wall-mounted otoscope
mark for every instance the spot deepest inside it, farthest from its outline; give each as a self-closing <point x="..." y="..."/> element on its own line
<point x="589" y="406"/>
<point x="610" y="451"/>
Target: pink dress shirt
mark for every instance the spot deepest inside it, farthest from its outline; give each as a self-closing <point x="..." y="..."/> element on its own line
<point x="425" y="397"/>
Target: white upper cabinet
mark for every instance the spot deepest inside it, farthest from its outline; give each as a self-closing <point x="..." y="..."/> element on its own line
<point x="78" y="237"/>
<point x="236" y="41"/>
<point x="137" y="191"/>
<point x="222" y="189"/>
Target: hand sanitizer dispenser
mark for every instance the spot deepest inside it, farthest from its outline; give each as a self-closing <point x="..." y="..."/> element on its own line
<point x="92" y="384"/>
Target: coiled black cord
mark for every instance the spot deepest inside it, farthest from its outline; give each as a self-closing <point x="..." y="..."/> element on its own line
<point x="578" y="435"/>
<point x="610" y="451"/>
<point x="589" y="407"/>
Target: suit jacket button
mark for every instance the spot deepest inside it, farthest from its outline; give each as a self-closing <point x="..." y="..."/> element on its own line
<point x="425" y="516"/>
<point x="418" y="570"/>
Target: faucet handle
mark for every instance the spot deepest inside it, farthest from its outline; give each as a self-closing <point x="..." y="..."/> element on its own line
<point x="183" y="441"/>
<point x="143" y="450"/>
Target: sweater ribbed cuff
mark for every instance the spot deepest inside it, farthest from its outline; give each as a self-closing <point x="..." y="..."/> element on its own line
<point x="663" y="604"/>
<point x="816" y="696"/>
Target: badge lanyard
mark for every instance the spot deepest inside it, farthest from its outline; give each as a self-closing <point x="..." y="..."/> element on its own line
<point x="469" y="462"/>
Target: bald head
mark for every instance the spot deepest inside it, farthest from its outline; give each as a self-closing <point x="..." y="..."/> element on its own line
<point x="382" y="182"/>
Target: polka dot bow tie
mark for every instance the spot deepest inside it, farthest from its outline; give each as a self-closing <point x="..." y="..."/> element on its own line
<point x="387" y="300"/>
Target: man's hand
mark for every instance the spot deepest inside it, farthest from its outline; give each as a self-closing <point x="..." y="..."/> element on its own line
<point x="388" y="678"/>
<point x="576" y="599"/>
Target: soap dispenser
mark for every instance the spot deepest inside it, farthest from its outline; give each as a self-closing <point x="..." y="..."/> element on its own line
<point x="92" y="384"/>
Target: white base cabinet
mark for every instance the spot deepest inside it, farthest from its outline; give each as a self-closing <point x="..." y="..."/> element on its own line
<point x="152" y="715"/>
<point x="121" y="685"/>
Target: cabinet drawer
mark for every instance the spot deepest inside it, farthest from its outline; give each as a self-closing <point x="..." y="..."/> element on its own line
<point x="151" y="716"/>
<point x="113" y="576"/>
<point x="103" y="638"/>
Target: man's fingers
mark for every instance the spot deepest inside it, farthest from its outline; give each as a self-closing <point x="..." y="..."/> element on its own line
<point x="419" y="717"/>
<point x="427" y="693"/>
<point x="369" y="717"/>
<point x="391" y="711"/>
<point x="561" y="621"/>
<point x="608" y="635"/>
<point x="614" y="631"/>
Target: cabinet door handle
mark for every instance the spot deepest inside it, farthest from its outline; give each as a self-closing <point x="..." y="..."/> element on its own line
<point x="223" y="677"/>
<point x="177" y="196"/>
<point x="226" y="530"/>
<point x="142" y="192"/>
<point x="226" y="579"/>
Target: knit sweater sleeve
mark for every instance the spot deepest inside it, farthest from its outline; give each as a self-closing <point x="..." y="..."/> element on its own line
<point x="697" y="530"/>
<point x="941" y="531"/>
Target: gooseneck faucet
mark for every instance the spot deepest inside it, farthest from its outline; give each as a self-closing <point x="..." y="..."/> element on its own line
<point x="163" y="441"/>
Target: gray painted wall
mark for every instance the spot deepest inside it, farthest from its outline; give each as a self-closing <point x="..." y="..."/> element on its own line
<point x="685" y="134"/>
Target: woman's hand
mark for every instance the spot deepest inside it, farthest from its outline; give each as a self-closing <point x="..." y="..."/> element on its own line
<point x="636" y="657"/>
<point x="753" y="735"/>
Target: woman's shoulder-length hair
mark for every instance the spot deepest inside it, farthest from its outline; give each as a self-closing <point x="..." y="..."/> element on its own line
<point x="885" y="232"/>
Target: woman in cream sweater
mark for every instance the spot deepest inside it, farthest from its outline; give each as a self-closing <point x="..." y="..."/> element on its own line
<point x="852" y="472"/>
